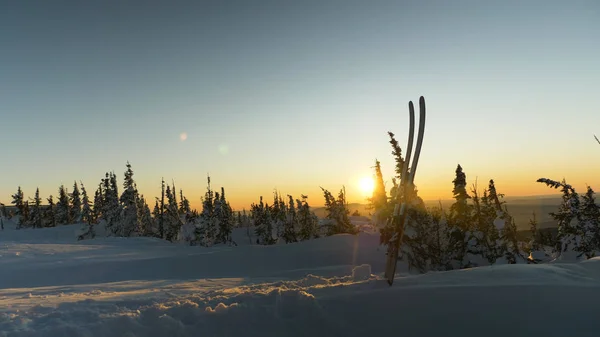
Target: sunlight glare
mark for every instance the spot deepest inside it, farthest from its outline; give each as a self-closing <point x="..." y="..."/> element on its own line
<point x="367" y="185"/>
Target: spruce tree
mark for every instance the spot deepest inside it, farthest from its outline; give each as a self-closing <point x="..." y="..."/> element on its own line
<point x="144" y="217"/>
<point x="337" y="213"/>
<point x="589" y="225"/>
<point x="98" y="204"/>
<point x="19" y="204"/>
<point x="75" y="204"/>
<point x="62" y="207"/>
<point x="129" y="203"/>
<point x="161" y="211"/>
<point x="206" y="232"/>
<point x="263" y="225"/>
<point x="88" y="231"/>
<point x="184" y="204"/>
<point x="36" y="211"/>
<point x="172" y="220"/>
<point x="379" y="201"/>
<point x="460" y="219"/>
<point x="86" y="207"/>
<point x="278" y="214"/>
<point x="225" y="217"/>
<point x="50" y="213"/>
<point x="112" y="210"/>
<point x="307" y="220"/>
<point x="569" y="237"/>
<point x="291" y="222"/>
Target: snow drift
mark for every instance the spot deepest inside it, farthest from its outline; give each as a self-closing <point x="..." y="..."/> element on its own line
<point x="53" y="285"/>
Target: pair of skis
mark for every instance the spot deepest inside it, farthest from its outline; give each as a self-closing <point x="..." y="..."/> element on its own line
<point x="399" y="219"/>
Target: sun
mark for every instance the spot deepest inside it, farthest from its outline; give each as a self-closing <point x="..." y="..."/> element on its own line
<point x="367" y="185"/>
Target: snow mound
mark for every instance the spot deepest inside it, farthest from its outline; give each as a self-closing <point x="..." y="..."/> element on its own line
<point x="361" y="273"/>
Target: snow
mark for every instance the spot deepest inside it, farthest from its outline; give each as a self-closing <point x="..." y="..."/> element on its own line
<point x="53" y="285"/>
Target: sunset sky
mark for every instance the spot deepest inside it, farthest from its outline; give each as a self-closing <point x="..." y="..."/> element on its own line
<point x="293" y="95"/>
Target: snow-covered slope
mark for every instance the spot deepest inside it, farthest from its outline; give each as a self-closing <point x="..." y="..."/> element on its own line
<point x="52" y="285"/>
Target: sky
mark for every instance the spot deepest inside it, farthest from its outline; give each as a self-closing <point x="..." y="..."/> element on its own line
<point x="296" y="95"/>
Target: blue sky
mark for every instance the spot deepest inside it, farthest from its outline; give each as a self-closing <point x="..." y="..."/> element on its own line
<point x="296" y="95"/>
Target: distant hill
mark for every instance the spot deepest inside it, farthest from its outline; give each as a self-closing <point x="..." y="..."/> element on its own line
<point x="521" y="208"/>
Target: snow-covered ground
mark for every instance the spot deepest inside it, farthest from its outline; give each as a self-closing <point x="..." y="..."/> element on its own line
<point x="53" y="285"/>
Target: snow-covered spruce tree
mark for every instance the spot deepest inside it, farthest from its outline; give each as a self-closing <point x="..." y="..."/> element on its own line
<point x="536" y="249"/>
<point x="291" y="222"/>
<point x="484" y="236"/>
<point x="161" y="211"/>
<point x="144" y="217"/>
<point x="589" y="225"/>
<point x="225" y="219"/>
<point x="98" y="204"/>
<point x="245" y="222"/>
<point x="156" y="218"/>
<point x="337" y="214"/>
<point x="459" y="220"/>
<point x="569" y="237"/>
<point x="129" y="222"/>
<point x="36" y="211"/>
<point x="184" y="204"/>
<point x="50" y="213"/>
<point x="75" y="204"/>
<point x="19" y="203"/>
<point x="307" y="220"/>
<point x="489" y="203"/>
<point x="172" y="220"/>
<point x="63" y="216"/>
<point x="88" y="231"/>
<point x="26" y="214"/>
<point x="441" y="255"/>
<point x="112" y="210"/>
<point x="507" y="246"/>
<point x="86" y="207"/>
<point x="206" y="233"/>
<point x="378" y="203"/>
<point x="263" y="224"/>
<point x="278" y="215"/>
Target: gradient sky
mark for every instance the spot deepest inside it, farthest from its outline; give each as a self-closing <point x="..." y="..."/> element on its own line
<point x="294" y="95"/>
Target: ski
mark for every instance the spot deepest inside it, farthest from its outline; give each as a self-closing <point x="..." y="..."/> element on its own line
<point x="399" y="219"/>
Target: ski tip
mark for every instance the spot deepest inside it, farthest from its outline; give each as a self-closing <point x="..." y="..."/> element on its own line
<point x="421" y="100"/>
<point x="410" y="105"/>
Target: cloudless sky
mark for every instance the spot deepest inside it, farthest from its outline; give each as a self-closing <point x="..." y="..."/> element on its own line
<point x="293" y="95"/>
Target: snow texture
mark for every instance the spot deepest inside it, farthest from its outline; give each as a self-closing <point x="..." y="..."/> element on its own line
<point x="53" y="285"/>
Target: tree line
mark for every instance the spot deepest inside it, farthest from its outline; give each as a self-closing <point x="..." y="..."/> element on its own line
<point x="128" y="214"/>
